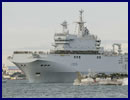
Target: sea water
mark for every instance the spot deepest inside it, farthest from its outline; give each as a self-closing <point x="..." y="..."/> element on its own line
<point x="24" y="89"/>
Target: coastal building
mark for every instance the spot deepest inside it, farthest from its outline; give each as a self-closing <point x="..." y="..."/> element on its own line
<point x="9" y="70"/>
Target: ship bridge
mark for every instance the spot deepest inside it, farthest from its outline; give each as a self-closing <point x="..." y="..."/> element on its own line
<point x="83" y="41"/>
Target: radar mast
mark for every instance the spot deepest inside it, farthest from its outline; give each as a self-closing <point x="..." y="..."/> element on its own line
<point x="64" y="25"/>
<point x="81" y="23"/>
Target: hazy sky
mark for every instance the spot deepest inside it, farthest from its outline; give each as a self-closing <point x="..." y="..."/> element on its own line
<point x="32" y="25"/>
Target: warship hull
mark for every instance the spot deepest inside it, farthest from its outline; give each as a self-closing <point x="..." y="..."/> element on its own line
<point x="63" y="69"/>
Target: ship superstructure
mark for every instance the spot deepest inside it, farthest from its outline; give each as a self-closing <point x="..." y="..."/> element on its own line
<point x="72" y="53"/>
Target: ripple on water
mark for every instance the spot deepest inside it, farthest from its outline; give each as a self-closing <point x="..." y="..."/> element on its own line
<point x="23" y="89"/>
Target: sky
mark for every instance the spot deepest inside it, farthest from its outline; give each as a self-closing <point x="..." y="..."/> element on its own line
<point x="32" y="25"/>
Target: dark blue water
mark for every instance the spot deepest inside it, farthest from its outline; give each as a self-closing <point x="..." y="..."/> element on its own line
<point x="23" y="89"/>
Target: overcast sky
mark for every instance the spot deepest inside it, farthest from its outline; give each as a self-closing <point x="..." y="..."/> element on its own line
<point x="31" y="26"/>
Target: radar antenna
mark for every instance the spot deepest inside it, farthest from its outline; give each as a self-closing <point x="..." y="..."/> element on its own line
<point x="64" y="24"/>
<point x="81" y="23"/>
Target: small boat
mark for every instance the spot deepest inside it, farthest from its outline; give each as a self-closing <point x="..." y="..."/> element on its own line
<point x="90" y="79"/>
<point x="110" y="82"/>
<point x="85" y="80"/>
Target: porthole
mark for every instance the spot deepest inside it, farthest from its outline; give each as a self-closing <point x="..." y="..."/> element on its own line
<point x="98" y="57"/>
<point x="46" y="65"/>
<point x="77" y="57"/>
